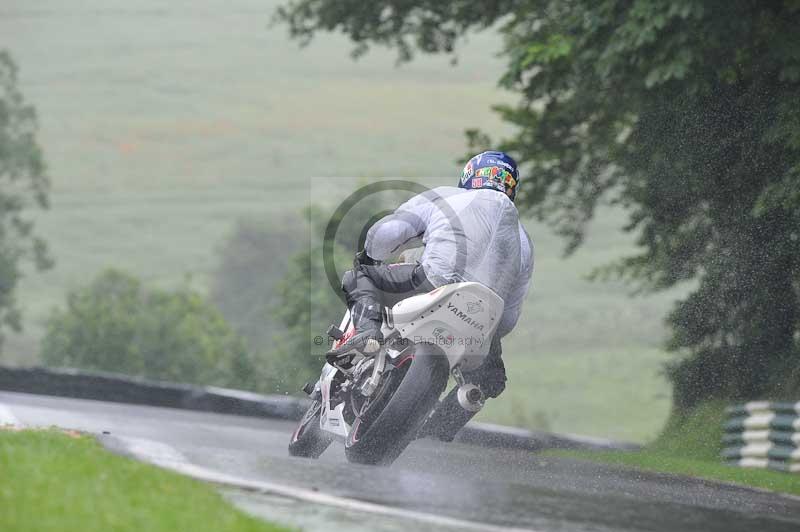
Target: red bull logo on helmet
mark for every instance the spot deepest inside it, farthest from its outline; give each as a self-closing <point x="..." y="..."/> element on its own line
<point x="467" y="173"/>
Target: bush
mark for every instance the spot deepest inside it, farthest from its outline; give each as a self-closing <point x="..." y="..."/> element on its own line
<point x="695" y="433"/>
<point x="117" y="324"/>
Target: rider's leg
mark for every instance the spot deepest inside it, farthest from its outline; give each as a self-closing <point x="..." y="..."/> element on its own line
<point x="395" y="282"/>
<point x="369" y="287"/>
<point x="449" y="417"/>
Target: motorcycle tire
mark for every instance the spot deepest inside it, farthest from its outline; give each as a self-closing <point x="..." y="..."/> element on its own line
<point x="381" y="441"/>
<point x="308" y="439"/>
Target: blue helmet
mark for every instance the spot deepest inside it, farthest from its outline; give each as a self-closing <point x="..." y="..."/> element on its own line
<point x="491" y="169"/>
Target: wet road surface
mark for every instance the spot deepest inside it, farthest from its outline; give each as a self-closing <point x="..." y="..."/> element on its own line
<point x="493" y="486"/>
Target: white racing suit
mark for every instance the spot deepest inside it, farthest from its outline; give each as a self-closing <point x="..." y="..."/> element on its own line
<point x="469" y="235"/>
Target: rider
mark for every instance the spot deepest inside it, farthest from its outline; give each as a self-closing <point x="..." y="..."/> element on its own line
<point x="471" y="233"/>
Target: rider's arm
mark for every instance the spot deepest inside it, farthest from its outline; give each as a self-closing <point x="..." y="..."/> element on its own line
<point x="409" y="221"/>
<point x="513" y="306"/>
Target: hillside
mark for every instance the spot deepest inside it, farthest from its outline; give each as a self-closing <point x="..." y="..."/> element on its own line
<point x="168" y="121"/>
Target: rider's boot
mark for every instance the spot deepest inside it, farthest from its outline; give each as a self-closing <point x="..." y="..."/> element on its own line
<point x="367" y="339"/>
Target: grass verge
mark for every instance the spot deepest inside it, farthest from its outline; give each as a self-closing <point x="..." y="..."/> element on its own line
<point x="54" y="481"/>
<point x="690" y="445"/>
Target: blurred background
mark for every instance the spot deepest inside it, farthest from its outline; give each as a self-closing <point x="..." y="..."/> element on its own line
<point x="193" y="150"/>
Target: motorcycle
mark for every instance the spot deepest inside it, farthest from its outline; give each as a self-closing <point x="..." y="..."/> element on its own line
<point x="377" y="403"/>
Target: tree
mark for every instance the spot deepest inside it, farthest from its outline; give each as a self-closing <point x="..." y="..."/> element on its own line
<point x="23" y="184"/>
<point x="686" y="113"/>
<point x="308" y="303"/>
<point x="252" y="262"/>
<point x="116" y="324"/>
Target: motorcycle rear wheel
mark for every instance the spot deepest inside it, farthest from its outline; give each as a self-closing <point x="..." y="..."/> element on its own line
<point x="378" y="438"/>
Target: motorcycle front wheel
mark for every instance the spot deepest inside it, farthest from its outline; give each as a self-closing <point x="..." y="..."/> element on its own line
<point x="381" y="433"/>
<point x="308" y="439"/>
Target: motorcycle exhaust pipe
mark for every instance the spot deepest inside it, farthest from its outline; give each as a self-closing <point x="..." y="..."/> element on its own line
<point x="471" y="397"/>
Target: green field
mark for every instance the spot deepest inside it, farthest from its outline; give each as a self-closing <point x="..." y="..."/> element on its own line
<point x="68" y="483"/>
<point x="166" y="122"/>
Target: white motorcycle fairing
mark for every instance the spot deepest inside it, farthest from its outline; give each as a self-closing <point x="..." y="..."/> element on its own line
<point x="460" y="319"/>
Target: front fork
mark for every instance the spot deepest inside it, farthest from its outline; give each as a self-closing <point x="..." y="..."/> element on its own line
<point x="390" y="349"/>
<point x="378" y="368"/>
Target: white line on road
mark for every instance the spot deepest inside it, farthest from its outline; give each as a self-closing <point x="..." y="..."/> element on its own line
<point x="153" y="451"/>
<point x="165" y="456"/>
<point x="7" y="417"/>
